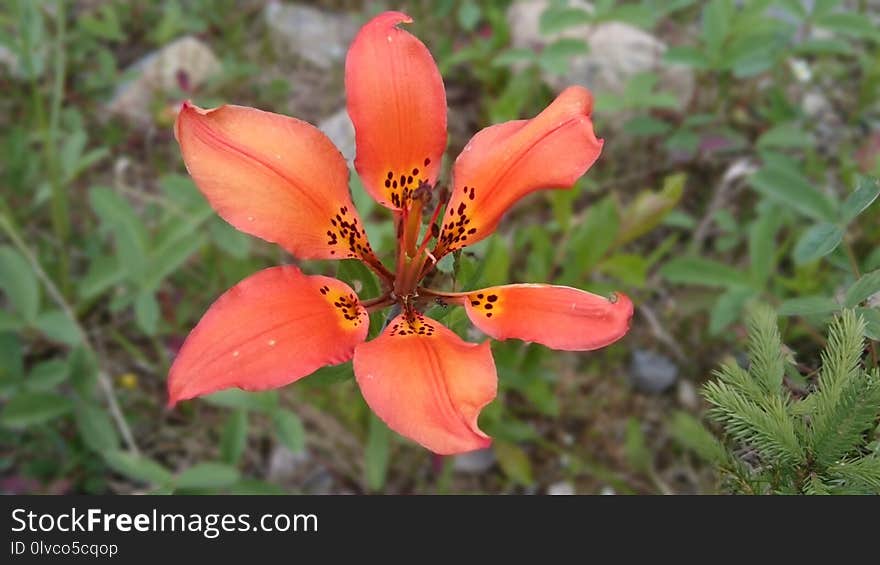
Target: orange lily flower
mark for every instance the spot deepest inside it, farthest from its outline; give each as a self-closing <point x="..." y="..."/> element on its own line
<point x="282" y="180"/>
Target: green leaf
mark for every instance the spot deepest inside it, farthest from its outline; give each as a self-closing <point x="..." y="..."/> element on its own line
<point x="95" y="427"/>
<point x="691" y="434"/>
<point x="104" y="272"/>
<point x="83" y="371"/>
<point x="591" y="239"/>
<point x="649" y="208"/>
<point x="58" y="327"/>
<point x="635" y="447"/>
<point x="686" y="55"/>
<point x="728" y="308"/>
<point x="229" y="239"/>
<point x="18" y="281"/>
<point x="629" y="268"/>
<point x="376" y="454"/>
<point x="703" y="272"/>
<point x="862" y="289"/>
<point x="167" y="258"/>
<point x="864" y="195"/>
<point x="263" y="401"/>
<point x="646" y="126"/>
<point x="514" y="462"/>
<point x="717" y="15"/>
<point x="556" y="57"/>
<point x="469" y="15"/>
<point x="12" y="367"/>
<point x="849" y="23"/>
<point x="806" y="305"/>
<point x="330" y="375"/>
<point x="137" y="467"/>
<point x="871" y="316"/>
<point x="784" y="136"/>
<point x="10" y="322"/>
<point x="47" y="375"/>
<point x="558" y="18"/>
<point x="233" y="438"/>
<point x="146" y="312"/>
<point x="816" y="242"/>
<point x="762" y="245"/>
<point x="784" y="184"/>
<point x="128" y="229"/>
<point x="290" y="430"/>
<point x="514" y="55"/>
<point x="33" y="408"/>
<point x="207" y="475"/>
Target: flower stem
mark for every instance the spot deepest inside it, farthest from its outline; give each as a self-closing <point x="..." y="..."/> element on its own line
<point x="59" y="203"/>
<point x="106" y="385"/>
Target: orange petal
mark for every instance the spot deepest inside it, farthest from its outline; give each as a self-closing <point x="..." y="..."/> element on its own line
<point x="505" y="162"/>
<point x="269" y="330"/>
<point x="397" y="103"/>
<point x="274" y="177"/>
<point x="559" y="317"/>
<point x="427" y="384"/>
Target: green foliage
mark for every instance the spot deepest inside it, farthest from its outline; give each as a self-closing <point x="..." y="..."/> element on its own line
<point x="109" y="255"/>
<point x="776" y="442"/>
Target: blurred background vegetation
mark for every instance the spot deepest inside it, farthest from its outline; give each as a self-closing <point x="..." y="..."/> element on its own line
<point x="741" y="138"/>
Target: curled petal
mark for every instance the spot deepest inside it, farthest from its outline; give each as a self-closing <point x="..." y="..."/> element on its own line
<point x="274" y="177"/>
<point x="397" y="103"/>
<point x="428" y="384"/>
<point x="559" y="317"/>
<point x="505" y="162"/>
<point x="267" y="331"/>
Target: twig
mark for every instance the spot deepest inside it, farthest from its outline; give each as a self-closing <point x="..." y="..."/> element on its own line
<point x="660" y="333"/>
<point x="103" y="379"/>
<point x="737" y="170"/>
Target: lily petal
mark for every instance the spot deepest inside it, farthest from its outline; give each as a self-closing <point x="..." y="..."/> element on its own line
<point x="507" y="161"/>
<point x="397" y="104"/>
<point x="267" y="331"/>
<point x="274" y="177"/>
<point x="428" y="384"/>
<point x="559" y="317"/>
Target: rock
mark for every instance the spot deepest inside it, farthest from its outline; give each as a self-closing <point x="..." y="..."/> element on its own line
<point x="9" y="60"/>
<point x="474" y="462"/>
<point x="652" y="372"/>
<point x="340" y="130"/>
<point x="316" y="36"/>
<point x="562" y="488"/>
<point x="618" y="51"/>
<point x="185" y="63"/>
<point x="687" y="394"/>
<point x="284" y="465"/>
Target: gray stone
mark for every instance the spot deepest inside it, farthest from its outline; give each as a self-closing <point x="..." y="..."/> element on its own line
<point x="474" y="462"/>
<point x="160" y="72"/>
<point x="562" y="488"/>
<point x="652" y="372"/>
<point x="340" y="130"/>
<point x="285" y="465"/>
<point x="319" y="37"/>
<point x="9" y="60"/>
<point x="618" y="51"/>
<point x="687" y="394"/>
